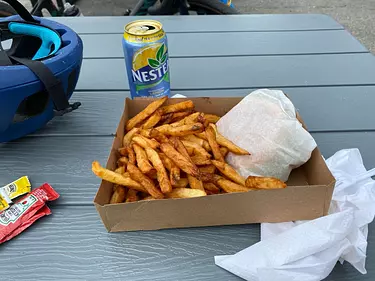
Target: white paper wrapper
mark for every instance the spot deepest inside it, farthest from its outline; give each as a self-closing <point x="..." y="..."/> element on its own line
<point x="308" y="250"/>
<point x="265" y="124"/>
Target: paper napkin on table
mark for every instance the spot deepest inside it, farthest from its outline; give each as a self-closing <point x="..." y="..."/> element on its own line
<point x="308" y="250"/>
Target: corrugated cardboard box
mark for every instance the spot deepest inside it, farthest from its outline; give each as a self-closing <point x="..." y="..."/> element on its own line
<point x="307" y="196"/>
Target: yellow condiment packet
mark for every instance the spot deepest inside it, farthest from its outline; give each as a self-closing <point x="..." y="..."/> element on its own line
<point x="3" y="203"/>
<point x="17" y="188"/>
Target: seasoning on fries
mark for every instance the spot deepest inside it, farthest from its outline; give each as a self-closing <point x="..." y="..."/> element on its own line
<point x="170" y="151"/>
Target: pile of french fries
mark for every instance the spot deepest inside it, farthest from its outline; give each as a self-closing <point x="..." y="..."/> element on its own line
<point x="172" y="151"/>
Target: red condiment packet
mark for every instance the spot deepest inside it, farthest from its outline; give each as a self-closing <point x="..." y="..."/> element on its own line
<point x="26" y="211"/>
<point x="44" y="211"/>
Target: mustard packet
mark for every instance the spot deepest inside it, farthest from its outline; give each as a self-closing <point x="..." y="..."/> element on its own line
<point x="17" y="188"/>
<point x="4" y="202"/>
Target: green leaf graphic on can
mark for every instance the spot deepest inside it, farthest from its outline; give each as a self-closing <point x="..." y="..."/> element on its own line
<point x="160" y="53"/>
<point x="163" y="59"/>
<point x="153" y="63"/>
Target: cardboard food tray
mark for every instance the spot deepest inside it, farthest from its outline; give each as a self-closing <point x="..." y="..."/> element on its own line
<point x="307" y="196"/>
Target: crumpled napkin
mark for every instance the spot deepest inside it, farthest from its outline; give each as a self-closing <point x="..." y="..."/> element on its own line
<point x="308" y="250"/>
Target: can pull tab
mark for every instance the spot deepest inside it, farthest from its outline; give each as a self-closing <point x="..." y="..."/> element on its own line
<point x="72" y="106"/>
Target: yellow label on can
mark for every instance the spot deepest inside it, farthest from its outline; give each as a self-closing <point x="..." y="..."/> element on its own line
<point x="17" y="188"/>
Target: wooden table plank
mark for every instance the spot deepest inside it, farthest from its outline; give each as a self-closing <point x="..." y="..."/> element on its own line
<point x="234" y="44"/>
<point x="96" y="117"/>
<point x="215" y="23"/>
<point x="72" y="244"/>
<point x="65" y="162"/>
<point x="241" y="72"/>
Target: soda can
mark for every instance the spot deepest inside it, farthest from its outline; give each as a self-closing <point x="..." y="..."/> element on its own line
<point x="146" y="58"/>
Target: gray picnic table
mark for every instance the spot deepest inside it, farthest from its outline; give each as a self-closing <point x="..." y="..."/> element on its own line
<point x="327" y="73"/>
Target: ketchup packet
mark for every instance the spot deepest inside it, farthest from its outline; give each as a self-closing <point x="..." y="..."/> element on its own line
<point x="26" y="211"/>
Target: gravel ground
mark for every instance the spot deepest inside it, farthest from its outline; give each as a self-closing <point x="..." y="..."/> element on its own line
<point x="356" y="15"/>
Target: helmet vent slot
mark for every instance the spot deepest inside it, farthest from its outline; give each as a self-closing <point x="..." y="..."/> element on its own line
<point x="65" y="43"/>
<point x="31" y="106"/>
<point x="61" y="31"/>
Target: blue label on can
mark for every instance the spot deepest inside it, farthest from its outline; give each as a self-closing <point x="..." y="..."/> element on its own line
<point x="147" y="68"/>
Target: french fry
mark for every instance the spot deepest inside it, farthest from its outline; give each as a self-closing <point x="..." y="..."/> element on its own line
<point x="126" y="151"/>
<point x="145" y="142"/>
<point x="150" y="109"/>
<point x="207" y="169"/>
<point x="195" y="183"/>
<point x="126" y="175"/>
<point x="166" y="119"/>
<point x="181" y="161"/>
<point x="211" y="187"/>
<point x="182" y="183"/>
<point x="199" y="160"/>
<point x="113" y="177"/>
<point x="195" y="139"/>
<point x="131" y="155"/>
<point x="209" y="192"/>
<point x="264" y="183"/>
<point x="154" y="133"/>
<point x="211" y="118"/>
<point x="174" y="174"/>
<point x="145" y="133"/>
<point x="174" y="171"/>
<point x="211" y="138"/>
<point x="202" y="120"/>
<point x="152" y="120"/>
<point x="179" y="146"/>
<point x="201" y="135"/>
<point x="145" y="181"/>
<point x="122" y="161"/>
<point x="190" y="151"/>
<point x="162" y="176"/>
<point x="142" y="160"/>
<point x="118" y="195"/>
<point x="198" y="150"/>
<point x="123" y="151"/>
<point x="229" y="172"/>
<point x="227" y="143"/>
<point x="132" y="196"/>
<point x="191" y="119"/>
<point x="181" y="130"/>
<point x="177" y="116"/>
<point x="128" y="136"/>
<point x="174" y="117"/>
<point x="185" y="193"/>
<point x="152" y="174"/>
<point x="208" y="177"/>
<point x="229" y="186"/>
<point x="224" y="151"/>
<point x="181" y="106"/>
<point x="120" y="170"/>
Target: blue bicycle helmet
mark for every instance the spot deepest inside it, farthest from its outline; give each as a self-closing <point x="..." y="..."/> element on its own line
<point x="37" y="74"/>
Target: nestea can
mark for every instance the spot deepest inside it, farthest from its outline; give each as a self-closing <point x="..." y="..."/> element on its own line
<point x="146" y="58"/>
